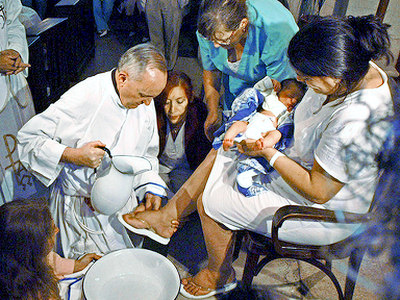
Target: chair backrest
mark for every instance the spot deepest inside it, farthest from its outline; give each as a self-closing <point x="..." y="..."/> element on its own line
<point x="378" y="210"/>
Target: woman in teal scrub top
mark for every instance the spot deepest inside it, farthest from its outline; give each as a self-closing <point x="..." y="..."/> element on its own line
<point x="241" y="42"/>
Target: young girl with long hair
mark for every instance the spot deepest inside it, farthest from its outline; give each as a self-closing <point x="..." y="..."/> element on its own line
<point x="29" y="269"/>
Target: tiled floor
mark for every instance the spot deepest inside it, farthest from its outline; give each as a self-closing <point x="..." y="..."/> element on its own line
<point x="187" y="250"/>
<point x="279" y="278"/>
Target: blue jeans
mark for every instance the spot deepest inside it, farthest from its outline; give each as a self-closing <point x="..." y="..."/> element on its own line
<point x="102" y="10"/>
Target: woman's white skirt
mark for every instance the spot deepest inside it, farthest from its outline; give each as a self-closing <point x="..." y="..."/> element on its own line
<point x="225" y="204"/>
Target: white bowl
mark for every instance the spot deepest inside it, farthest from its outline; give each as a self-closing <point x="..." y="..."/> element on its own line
<point x="132" y="274"/>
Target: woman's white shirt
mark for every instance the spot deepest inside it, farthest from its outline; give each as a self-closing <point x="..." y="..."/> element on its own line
<point x="343" y="137"/>
<point x="174" y="155"/>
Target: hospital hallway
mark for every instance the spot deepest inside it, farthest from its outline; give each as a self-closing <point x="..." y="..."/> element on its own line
<point x="186" y="249"/>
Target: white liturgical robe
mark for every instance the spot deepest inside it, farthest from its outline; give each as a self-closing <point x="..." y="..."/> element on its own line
<point x="89" y="111"/>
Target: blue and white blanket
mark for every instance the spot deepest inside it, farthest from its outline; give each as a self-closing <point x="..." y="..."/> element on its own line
<point x="253" y="172"/>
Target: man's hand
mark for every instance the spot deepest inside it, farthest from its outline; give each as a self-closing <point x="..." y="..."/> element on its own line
<point x="11" y="62"/>
<point x="152" y="202"/>
<point x="89" y="155"/>
<point x="82" y="263"/>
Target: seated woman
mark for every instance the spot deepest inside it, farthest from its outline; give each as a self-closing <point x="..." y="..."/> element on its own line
<point x="340" y="126"/>
<point x="180" y="118"/>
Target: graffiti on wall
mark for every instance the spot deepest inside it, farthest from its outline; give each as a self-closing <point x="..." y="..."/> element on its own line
<point x="22" y="176"/>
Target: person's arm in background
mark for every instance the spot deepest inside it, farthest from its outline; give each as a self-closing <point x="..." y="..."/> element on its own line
<point x="277" y="63"/>
<point x="198" y="145"/>
<point x="212" y="85"/>
<point x="15" y="57"/>
<point x="64" y="266"/>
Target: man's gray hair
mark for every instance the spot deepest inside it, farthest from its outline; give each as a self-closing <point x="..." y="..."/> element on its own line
<point x="141" y="57"/>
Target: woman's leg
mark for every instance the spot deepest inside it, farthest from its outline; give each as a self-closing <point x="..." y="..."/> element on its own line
<point x="181" y="205"/>
<point x="219" y="243"/>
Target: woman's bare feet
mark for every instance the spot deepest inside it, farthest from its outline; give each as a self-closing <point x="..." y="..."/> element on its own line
<point x="206" y="281"/>
<point x="227" y="143"/>
<point x="163" y="225"/>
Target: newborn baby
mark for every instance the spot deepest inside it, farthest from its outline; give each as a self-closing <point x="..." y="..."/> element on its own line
<point x="279" y="101"/>
<point x="271" y="127"/>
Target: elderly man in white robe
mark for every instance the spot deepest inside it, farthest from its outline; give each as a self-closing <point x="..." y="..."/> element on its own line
<point x="64" y="145"/>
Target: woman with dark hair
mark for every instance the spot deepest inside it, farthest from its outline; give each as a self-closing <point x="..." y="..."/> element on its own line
<point x="180" y="119"/>
<point x="240" y="43"/>
<point x="28" y="267"/>
<point x="340" y="126"/>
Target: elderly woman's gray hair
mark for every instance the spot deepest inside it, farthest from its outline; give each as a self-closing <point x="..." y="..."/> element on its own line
<point x="136" y="60"/>
<point x="220" y="14"/>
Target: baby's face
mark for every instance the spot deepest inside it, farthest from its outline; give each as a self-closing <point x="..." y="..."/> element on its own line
<point x="285" y="96"/>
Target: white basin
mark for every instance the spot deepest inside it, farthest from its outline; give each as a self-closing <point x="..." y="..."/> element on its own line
<point x="132" y="274"/>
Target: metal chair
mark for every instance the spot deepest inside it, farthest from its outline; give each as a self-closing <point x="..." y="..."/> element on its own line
<point x="319" y="256"/>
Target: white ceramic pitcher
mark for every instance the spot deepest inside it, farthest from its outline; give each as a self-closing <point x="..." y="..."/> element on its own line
<point x="113" y="187"/>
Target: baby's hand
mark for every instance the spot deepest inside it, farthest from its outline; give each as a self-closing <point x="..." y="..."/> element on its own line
<point x="82" y="263"/>
<point x="276" y="84"/>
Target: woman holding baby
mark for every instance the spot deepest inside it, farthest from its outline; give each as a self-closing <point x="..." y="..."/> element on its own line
<point x="340" y="126"/>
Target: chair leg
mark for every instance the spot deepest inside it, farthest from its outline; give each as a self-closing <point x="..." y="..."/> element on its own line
<point x="238" y="244"/>
<point x="328" y="264"/>
<point x="354" y="266"/>
<point x="249" y="269"/>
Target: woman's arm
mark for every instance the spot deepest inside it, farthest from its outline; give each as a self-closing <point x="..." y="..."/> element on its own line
<point x="212" y="85"/>
<point x="315" y="185"/>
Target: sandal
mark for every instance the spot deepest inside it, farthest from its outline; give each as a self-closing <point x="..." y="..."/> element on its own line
<point x="148" y="231"/>
<point x="221" y="290"/>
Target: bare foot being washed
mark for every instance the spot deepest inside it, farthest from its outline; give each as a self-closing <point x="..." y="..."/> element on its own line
<point x="163" y="225"/>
